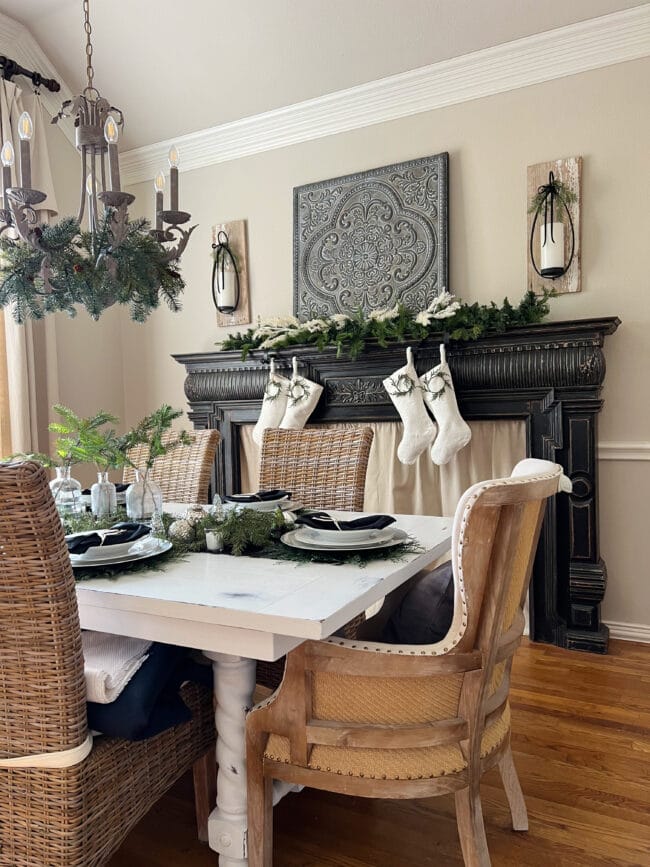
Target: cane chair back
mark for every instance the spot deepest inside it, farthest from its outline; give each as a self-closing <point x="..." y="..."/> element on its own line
<point x="406" y="721"/>
<point x="73" y="808"/>
<point x="184" y="473"/>
<point x="323" y="469"/>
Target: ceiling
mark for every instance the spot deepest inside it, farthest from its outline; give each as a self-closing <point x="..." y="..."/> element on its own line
<point x="177" y="67"/>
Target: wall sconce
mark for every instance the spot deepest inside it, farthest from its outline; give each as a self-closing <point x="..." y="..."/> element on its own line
<point x="225" y="276"/>
<point x="551" y="204"/>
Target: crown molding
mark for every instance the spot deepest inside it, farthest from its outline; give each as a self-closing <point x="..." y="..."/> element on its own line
<point x="624" y="451"/>
<point x="588" y="45"/>
<point x="18" y="43"/>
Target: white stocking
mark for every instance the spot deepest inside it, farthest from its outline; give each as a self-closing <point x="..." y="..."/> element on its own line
<point x="274" y="404"/>
<point x="302" y="397"/>
<point x="453" y="431"/>
<point x="405" y="391"/>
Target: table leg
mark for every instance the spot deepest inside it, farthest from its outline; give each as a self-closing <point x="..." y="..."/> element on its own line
<point x="234" y="685"/>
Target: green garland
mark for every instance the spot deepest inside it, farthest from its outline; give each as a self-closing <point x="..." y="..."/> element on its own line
<point x="68" y="269"/>
<point x="349" y="335"/>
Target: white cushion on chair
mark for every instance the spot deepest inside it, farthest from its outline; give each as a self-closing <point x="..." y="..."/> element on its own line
<point x="534" y="466"/>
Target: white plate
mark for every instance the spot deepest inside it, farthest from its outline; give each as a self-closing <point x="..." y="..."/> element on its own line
<point x="349" y="535"/>
<point x="266" y="506"/>
<point x="398" y="538"/>
<point x="342" y="539"/>
<point x="141" y="553"/>
<point x="102" y="552"/>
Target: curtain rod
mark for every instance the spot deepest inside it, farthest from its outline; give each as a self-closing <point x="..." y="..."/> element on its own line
<point x="10" y="68"/>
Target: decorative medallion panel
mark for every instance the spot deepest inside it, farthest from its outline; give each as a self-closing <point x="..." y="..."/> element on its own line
<point x="370" y="240"/>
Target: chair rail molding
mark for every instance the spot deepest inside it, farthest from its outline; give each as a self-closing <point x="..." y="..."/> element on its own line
<point x="624" y="451"/>
<point x="549" y="375"/>
<point x="576" y="48"/>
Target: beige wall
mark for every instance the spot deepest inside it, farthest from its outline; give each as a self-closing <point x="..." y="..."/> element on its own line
<point x="602" y="115"/>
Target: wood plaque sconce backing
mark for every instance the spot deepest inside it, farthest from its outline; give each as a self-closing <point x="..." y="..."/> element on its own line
<point x="569" y="171"/>
<point x="370" y="240"/>
<point x="238" y="241"/>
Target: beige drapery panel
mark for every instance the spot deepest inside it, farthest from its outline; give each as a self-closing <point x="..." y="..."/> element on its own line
<point x="423" y="488"/>
<point x="28" y="381"/>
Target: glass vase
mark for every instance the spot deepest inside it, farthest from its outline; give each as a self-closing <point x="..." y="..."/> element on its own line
<point x="67" y="493"/>
<point x="143" y="498"/>
<point x="103" y="497"/>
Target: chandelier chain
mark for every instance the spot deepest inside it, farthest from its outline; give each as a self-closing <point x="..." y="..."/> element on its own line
<point x="90" y="72"/>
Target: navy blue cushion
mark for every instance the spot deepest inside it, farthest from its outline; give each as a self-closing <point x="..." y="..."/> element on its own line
<point x="426" y="611"/>
<point x="150" y="703"/>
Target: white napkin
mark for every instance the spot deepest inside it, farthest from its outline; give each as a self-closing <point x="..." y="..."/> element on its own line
<point x="110" y="663"/>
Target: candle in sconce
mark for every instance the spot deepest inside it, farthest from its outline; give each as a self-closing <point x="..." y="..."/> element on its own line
<point x="112" y="134"/>
<point x="159" y="187"/>
<point x="552" y="249"/>
<point x="227" y="288"/>
<point x="25" y="132"/>
<point x="173" y="176"/>
<point x="8" y="158"/>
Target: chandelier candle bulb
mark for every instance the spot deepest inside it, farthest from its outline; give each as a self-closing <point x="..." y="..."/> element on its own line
<point x="552" y="249"/>
<point x="173" y="176"/>
<point x="111" y="134"/>
<point x="7" y="162"/>
<point x="159" y="186"/>
<point x="25" y="131"/>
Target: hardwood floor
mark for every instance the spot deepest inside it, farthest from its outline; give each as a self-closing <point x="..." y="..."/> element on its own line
<point x="581" y="740"/>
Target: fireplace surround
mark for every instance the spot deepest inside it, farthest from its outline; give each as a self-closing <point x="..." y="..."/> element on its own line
<point x="548" y="375"/>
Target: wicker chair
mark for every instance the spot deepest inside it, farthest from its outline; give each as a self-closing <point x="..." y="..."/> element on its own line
<point x="323" y="468"/>
<point x="184" y="474"/>
<point x="64" y="801"/>
<point x="398" y="721"/>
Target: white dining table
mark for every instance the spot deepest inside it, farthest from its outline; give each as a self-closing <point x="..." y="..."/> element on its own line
<point x="238" y="610"/>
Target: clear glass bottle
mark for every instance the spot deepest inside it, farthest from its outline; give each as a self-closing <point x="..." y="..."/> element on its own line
<point x="103" y="497"/>
<point x="67" y="493"/>
<point x="143" y="497"/>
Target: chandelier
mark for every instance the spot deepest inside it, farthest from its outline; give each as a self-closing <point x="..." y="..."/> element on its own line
<point x="114" y="259"/>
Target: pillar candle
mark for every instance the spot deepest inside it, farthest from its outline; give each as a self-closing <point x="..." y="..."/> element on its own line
<point x="552" y="250"/>
<point x="227" y="289"/>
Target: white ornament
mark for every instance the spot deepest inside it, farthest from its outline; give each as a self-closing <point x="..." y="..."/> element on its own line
<point x="181" y="530"/>
<point x="194" y="515"/>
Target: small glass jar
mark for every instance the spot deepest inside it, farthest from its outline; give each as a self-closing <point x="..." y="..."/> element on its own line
<point x="103" y="497"/>
<point x="67" y="493"/>
<point x="143" y="497"/>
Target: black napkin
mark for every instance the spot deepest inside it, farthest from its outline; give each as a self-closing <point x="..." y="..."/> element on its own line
<point x="129" y="533"/>
<point x="259" y="497"/>
<point x="120" y="487"/>
<point x="323" y="521"/>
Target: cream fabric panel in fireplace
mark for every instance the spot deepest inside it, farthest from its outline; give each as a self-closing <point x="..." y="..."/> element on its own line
<point x="422" y="488"/>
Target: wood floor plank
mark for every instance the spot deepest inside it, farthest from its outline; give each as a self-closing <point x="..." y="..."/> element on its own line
<point x="581" y="744"/>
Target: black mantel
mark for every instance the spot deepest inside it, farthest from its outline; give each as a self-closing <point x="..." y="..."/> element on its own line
<point x="549" y="375"/>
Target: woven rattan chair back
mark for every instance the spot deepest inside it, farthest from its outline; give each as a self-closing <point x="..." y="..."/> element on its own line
<point x="42" y="691"/>
<point x="184" y="473"/>
<point x="323" y="469"/>
<point x="401" y="721"/>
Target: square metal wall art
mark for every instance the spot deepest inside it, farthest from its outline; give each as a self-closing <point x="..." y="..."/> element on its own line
<point x="370" y="240"/>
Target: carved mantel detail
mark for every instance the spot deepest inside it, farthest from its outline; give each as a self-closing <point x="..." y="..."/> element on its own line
<point x="548" y="375"/>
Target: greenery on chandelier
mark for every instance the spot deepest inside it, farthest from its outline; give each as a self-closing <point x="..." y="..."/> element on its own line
<point x="67" y="267"/>
<point x="349" y="334"/>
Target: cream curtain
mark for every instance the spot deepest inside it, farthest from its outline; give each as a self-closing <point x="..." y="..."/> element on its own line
<point x="423" y="488"/>
<point x="28" y="381"/>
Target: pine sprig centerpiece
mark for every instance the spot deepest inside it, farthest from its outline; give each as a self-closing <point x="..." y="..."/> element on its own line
<point x="69" y="268"/>
<point x="348" y="334"/>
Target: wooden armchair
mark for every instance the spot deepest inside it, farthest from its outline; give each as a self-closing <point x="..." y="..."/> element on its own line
<point x="66" y="801"/>
<point x="184" y="474"/>
<point x="398" y="721"/>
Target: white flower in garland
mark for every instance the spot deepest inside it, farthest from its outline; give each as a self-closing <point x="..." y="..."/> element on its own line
<point x="385" y="314"/>
<point x="274" y="340"/>
<point x="340" y="320"/>
<point x="443" y="306"/>
<point x="277" y="325"/>
<point x="315" y="325"/>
